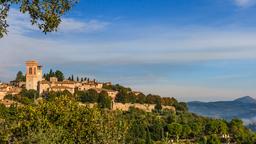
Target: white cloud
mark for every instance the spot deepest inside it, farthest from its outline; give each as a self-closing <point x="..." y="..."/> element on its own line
<point x="174" y="46"/>
<point x="70" y="25"/>
<point x="20" y="24"/>
<point x="169" y="45"/>
<point x="245" y="3"/>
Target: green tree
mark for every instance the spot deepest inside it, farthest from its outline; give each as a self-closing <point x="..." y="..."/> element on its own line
<point x="20" y="77"/>
<point x="148" y="138"/>
<point x="138" y="131"/>
<point x="158" y="106"/>
<point x="152" y="99"/>
<point x="213" y="139"/>
<point x="181" y="106"/>
<point x="59" y="75"/>
<point x="90" y="96"/>
<point x="156" y="127"/>
<point x="175" y="130"/>
<point x="223" y="128"/>
<point x="186" y="130"/>
<point x="51" y="73"/>
<point x="197" y="128"/>
<point x="212" y="127"/>
<point x="45" y="14"/>
<point x="62" y="121"/>
<point x="121" y="97"/>
<point x="25" y="96"/>
<point x="240" y="133"/>
<point x="141" y="98"/>
<point x="104" y="100"/>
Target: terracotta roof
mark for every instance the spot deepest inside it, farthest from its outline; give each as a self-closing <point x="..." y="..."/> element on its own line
<point x="3" y="86"/>
<point x="44" y="82"/>
<point x="60" y="87"/>
<point x="67" y="82"/>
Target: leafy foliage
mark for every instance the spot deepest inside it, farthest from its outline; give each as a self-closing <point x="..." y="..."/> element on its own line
<point x="126" y="95"/>
<point x="61" y="119"/>
<point x="20" y="77"/>
<point x="24" y="97"/>
<point x="104" y="101"/>
<point x="45" y="14"/>
<point x="91" y="96"/>
<point x="58" y="74"/>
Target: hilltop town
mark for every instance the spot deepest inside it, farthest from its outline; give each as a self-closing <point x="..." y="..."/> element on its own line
<point x="35" y="80"/>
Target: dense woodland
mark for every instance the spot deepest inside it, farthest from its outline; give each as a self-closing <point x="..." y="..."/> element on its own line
<point x="59" y="117"/>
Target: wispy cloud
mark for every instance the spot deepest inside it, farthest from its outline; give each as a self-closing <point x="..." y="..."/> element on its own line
<point x="245" y="3"/>
<point x="20" y="24"/>
<point x="69" y="25"/>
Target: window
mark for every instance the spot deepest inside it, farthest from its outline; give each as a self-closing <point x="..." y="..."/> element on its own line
<point x="34" y="71"/>
<point x="30" y="70"/>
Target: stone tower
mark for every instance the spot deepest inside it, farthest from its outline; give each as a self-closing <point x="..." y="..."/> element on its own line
<point x="33" y="75"/>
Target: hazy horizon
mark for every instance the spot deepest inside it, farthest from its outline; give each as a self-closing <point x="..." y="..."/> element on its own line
<point x="201" y="50"/>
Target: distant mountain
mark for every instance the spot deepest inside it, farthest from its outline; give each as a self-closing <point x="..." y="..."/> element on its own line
<point x="243" y="108"/>
<point x="246" y="99"/>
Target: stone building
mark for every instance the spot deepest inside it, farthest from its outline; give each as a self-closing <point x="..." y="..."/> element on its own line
<point x="55" y="85"/>
<point x="86" y="85"/>
<point x="33" y="75"/>
<point x="35" y="81"/>
<point x="6" y="89"/>
<point x="20" y="84"/>
<point x="110" y="93"/>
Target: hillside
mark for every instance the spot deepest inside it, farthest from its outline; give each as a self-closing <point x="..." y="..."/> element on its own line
<point x="60" y="117"/>
<point x="246" y="99"/>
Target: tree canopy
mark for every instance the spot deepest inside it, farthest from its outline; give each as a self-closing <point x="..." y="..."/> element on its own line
<point x="59" y="117"/>
<point x="58" y="74"/>
<point x="20" y="77"/>
<point x="45" y="14"/>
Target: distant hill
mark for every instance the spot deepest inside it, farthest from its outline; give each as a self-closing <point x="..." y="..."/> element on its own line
<point x="246" y="99"/>
<point x="243" y="108"/>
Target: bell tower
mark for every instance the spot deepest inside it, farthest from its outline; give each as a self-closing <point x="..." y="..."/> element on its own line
<point x="32" y="78"/>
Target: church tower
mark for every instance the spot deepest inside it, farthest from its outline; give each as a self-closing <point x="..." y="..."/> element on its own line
<point x="33" y="75"/>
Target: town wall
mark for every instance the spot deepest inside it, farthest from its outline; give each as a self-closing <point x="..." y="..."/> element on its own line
<point x="145" y="107"/>
<point x="126" y="106"/>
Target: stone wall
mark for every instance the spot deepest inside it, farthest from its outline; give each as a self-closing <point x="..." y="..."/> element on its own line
<point x="145" y="107"/>
<point x="125" y="107"/>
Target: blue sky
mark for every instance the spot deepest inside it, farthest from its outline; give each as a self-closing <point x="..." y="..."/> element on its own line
<point x="192" y="50"/>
